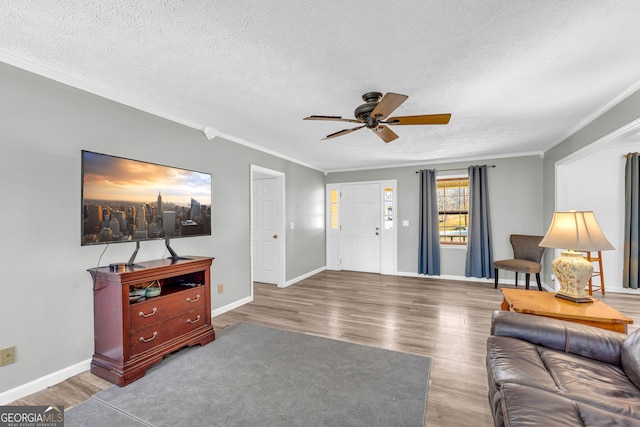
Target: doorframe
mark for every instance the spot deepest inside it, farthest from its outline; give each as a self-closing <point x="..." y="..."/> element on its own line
<point x="281" y="241"/>
<point x="389" y="238"/>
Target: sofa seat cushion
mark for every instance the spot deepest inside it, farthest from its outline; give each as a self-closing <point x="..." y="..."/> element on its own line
<point x="528" y="406"/>
<point x="586" y="380"/>
<point x="510" y="360"/>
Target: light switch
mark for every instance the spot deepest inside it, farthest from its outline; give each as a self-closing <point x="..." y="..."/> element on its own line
<point x="291" y="225"/>
<point x="405" y="222"/>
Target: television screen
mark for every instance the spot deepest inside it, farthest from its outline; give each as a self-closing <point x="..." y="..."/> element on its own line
<point x="125" y="200"/>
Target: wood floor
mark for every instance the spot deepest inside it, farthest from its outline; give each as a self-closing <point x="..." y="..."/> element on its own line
<point x="445" y="320"/>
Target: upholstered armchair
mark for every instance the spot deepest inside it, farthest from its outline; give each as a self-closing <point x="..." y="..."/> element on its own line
<point x="527" y="255"/>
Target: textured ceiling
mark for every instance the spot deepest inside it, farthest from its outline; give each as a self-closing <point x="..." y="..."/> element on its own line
<point x="517" y="76"/>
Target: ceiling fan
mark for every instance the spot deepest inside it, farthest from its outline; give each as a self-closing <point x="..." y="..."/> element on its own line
<point x="374" y="112"/>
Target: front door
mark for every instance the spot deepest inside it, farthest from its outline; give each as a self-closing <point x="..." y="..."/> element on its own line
<point x="360" y="214"/>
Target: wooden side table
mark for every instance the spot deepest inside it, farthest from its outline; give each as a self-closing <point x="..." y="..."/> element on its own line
<point x="546" y="304"/>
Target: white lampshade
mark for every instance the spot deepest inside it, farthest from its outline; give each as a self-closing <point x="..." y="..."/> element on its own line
<point x="577" y="231"/>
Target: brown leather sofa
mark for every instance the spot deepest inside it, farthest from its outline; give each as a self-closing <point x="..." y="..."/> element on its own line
<point x="548" y="372"/>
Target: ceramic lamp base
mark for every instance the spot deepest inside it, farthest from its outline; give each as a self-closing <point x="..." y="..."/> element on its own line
<point x="573" y="272"/>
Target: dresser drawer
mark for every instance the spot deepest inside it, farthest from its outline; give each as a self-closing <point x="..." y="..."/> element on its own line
<point x="159" y="333"/>
<point x="159" y="309"/>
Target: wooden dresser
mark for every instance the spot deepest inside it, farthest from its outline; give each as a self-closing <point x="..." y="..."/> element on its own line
<point x="129" y="337"/>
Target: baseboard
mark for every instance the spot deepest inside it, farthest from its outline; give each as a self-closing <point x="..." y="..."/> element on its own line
<point x="446" y="277"/>
<point x="44" y="382"/>
<point x="304" y="276"/>
<point x="233" y="305"/>
<point x="63" y="374"/>
<point x="532" y="284"/>
<point x="247" y="300"/>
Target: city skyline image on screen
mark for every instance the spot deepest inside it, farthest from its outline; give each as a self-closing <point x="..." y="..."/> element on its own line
<point x="126" y="200"/>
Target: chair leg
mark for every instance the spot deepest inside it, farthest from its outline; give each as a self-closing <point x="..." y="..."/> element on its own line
<point x="495" y="273"/>
<point x="526" y="280"/>
<point x="538" y="281"/>
<point x="516" y="279"/>
<point x="601" y="273"/>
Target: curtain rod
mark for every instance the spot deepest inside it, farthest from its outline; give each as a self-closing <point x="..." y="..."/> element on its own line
<point x="457" y="169"/>
<point x="629" y="155"/>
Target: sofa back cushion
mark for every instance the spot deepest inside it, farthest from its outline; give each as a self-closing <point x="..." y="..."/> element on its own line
<point x="583" y="340"/>
<point x="631" y="357"/>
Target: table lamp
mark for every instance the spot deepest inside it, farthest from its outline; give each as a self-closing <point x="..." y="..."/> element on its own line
<point x="575" y="231"/>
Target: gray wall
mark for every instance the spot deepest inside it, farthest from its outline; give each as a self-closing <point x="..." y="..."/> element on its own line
<point x="618" y="116"/>
<point x="515" y="194"/>
<point x="46" y="297"/>
<point x="46" y="300"/>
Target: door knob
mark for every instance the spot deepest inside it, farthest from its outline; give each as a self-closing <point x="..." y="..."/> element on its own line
<point x="275" y="236"/>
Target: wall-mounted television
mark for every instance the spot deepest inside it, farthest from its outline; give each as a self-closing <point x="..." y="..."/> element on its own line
<point x="126" y="200"/>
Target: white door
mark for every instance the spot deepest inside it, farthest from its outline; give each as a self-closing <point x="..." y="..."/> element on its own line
<point x="267" y="224"/>
<point x="360" y="220"/>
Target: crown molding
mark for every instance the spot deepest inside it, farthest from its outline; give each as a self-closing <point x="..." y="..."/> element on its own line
<point x="257" y="147"/>
<point x="596" y="113"/>
<point x="208" y="131"/>
<point x="439" y="161"/>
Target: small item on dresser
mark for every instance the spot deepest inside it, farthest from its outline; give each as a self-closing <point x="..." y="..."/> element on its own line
<point x="137" y="295"/>
<point x="118" y="266"/>
<point x="153" y="291"/>
<point x="191" y="285"/>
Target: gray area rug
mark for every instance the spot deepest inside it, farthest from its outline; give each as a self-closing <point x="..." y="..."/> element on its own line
<point x="258" y="376"/>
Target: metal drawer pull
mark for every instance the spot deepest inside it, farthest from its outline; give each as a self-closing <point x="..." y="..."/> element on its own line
<point x="193" y="300"/>
<point x="141" y="314"/>
<point x="194" y="321"/>
<point x="155" y="334"/>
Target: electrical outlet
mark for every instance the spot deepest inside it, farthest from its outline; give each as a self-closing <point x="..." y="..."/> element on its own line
<point x="220" y="288"/>
<point x="7" y="356"/>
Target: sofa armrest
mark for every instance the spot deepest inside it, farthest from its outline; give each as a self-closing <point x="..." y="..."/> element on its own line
<point x="583" y="340"/>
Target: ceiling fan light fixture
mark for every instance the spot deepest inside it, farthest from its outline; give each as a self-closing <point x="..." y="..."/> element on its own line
<point x="374" y="112"/>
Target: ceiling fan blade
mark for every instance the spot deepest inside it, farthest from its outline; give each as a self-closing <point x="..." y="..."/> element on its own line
<point x="387" y="104"/>
<point x="385" y="134"/>
<point x="342" y="132"/>
<point x="332" y="118"/>
<point x="427" y="119"/>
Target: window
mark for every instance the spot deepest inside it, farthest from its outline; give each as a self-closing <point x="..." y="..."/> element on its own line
<point x="388" y="208"/>
<point x="334" y="209"/>
<point x="453" y="209"/>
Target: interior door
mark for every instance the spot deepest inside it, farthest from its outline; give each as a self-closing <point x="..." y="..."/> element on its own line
<point x="266" y="230"/>
<point x="360" y="220"/>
